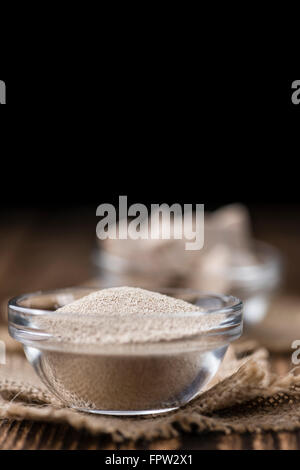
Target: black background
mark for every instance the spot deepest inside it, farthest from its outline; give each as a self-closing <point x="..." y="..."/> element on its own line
<point x="157" y="136"/>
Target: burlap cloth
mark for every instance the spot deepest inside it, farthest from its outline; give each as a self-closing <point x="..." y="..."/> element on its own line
<point x="245" y="396"/>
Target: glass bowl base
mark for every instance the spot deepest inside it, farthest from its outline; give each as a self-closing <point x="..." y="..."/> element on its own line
<point x="126" y="412"/>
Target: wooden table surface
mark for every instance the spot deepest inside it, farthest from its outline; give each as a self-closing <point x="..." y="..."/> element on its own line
<point x="51" y="250"/>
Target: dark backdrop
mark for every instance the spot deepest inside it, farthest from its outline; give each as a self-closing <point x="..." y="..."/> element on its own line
<point x="156" y="138"/>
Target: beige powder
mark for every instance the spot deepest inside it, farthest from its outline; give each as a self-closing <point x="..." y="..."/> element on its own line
<point x="127" y="381"/>
<point x="127" y="315"/>
<point x="126" y="301"/>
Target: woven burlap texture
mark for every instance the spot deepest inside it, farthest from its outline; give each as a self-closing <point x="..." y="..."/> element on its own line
<point x="244" y="396"/>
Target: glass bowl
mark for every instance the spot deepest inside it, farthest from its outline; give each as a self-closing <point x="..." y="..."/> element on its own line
<point x="128" y="378"/>
<point x="255" y="284"/>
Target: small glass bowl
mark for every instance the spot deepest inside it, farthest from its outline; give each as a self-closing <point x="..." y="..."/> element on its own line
<point x="129" y="378"/>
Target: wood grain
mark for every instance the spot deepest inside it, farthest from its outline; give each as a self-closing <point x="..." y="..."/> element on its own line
<point x="44" y="436"/>
<point x="43" y="251"/>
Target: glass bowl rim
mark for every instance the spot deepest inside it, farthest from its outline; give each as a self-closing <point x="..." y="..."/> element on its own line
<point x="236" y="307"/>
<point x="233" y="317"/>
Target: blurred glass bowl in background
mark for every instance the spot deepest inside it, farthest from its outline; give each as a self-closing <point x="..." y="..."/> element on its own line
<point x="254" y="280"/>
